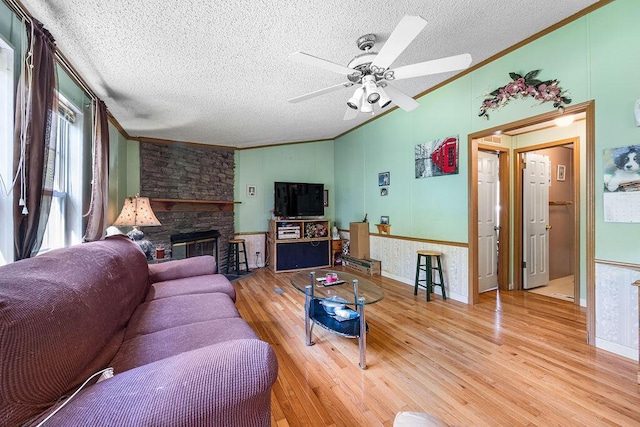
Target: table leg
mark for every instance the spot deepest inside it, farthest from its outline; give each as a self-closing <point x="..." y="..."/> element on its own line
<point x="308" y="324"/>
<point x="362" y="339"/>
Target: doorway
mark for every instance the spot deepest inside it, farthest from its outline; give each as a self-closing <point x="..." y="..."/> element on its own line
<point x="583" y="243"/>
<point x="547" y="227"/>
<point x="493" y="194"/>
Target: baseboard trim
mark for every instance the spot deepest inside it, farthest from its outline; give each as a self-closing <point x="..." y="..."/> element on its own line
<point x="618" y="349"/>
<point x="460" y="298"/>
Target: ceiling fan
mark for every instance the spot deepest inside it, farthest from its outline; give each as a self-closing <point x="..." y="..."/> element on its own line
<point x="371" y="71"/>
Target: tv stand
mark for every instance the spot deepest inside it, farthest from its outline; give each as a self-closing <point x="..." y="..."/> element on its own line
<point x="296" y="244"/>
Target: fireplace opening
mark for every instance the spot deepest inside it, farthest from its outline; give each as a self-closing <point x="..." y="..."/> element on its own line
<point x="187" y="245"/>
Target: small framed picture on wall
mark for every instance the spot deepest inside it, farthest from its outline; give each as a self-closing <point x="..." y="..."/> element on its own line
<point x="384" y="178"/>
<point x="561" y="170"/>
<point x="251" y="190"/>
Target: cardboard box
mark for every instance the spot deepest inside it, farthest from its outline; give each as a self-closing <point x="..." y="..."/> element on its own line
<point x="369" y="266"/>
<point x="359" y="240"/>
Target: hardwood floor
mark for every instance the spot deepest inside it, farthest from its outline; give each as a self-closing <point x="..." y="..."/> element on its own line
<point x="514" y="359"/>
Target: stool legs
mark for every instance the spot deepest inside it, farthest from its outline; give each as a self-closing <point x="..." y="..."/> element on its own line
<point x="233" y="256"/>
<point x="415" y="288"/>
<point x="236" y="258"/>
<point x="428" y="269"/>
<point x="429" y="278"/>
<point x="229" y="257"/>
<point x="244" y="253"/>
<point x="444" y="294"/>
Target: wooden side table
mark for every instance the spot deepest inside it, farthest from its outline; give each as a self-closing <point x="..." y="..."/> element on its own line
<point x="336" y="248"/>
<point x="384" y="228"/>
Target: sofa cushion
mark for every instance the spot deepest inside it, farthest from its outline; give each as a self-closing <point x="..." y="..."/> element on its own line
<point x="180" y="310"/>
<point x="194" y="266"/>
<point x="62" y="318"/>
<point x="226" y="384"/>
<point x="151" y="347"/>
<point x="191" y="285"/>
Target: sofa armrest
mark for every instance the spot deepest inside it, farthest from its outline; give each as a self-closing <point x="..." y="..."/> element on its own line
<point x="226" y="384"/>
<point x="181" y="268"/>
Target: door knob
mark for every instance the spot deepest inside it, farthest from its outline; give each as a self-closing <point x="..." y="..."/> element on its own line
<point x="548" y="227"/>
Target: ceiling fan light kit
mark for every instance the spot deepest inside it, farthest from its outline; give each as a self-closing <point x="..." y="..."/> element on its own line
<point x="384" y="98"/>
<point x="366" y="107"/>
<point x="370" y="89"/>
<point x="371" y="70"/>
<point x="354" y="101"/>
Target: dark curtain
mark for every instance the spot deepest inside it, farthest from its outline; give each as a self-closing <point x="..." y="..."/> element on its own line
<point x="97" y="221"/>
<point x="34" y="141"/>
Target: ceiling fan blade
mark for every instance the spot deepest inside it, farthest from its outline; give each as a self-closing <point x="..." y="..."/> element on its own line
<point x="442" y="65"/>
<point x="350" y="114"/>
<point x="305" y="58"/>
<point x="404" y="33"/>
<point x="401" y="99"/>
<point x="320" y="92"/>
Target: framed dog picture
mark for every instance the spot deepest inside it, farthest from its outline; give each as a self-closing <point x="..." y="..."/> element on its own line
<point x="622" y="184"/>
<point x="622" y="168"/>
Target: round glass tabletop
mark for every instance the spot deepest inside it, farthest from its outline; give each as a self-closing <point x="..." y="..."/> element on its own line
<point x="340" y="291"/>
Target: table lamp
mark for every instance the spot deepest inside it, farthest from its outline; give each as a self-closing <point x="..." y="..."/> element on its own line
<point x="135" y="213"/>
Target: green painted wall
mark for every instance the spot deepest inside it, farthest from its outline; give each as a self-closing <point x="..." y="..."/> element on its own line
<point x="591" y="58"/>
<point x="614" y="75"/>
<point x="11" y="31"/>
<point x="416" y="207"/>
<point x="124" y="171"/>
<point x="261" y="167"/>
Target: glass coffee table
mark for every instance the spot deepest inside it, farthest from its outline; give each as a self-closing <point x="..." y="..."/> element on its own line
<point x="350" y="290"/>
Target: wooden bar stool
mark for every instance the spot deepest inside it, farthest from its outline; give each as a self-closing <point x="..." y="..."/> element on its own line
<point x="234" y="250"/>
<point x="428" y="269"/>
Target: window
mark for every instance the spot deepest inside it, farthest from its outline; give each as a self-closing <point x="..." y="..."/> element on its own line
<point x="64" y="227"/>
<point x="6" y="152"/>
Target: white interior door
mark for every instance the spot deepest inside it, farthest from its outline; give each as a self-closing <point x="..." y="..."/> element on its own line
<point x="535" y="222"/>
<point x="488" y="227"/>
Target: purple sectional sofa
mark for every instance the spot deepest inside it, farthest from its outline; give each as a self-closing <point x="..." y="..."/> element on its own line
<point x="180" y="352"/>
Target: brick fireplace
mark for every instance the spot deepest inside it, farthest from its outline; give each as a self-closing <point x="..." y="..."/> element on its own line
<point x="188" y="172"/>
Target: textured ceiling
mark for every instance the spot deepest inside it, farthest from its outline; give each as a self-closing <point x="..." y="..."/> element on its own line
<point x="218" y="72"/>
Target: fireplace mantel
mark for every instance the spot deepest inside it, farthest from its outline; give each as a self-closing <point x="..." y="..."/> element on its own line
<point x="184" y="205"/>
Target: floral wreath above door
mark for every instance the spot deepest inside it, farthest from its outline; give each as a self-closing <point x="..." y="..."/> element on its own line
<point x="523" y="87"/>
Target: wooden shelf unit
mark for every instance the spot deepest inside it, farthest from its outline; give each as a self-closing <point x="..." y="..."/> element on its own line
<point x="297" y="244"/>
<point x="184" y="205"/>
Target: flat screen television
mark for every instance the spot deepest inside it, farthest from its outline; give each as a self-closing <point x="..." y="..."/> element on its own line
<point x="294" y="199"/>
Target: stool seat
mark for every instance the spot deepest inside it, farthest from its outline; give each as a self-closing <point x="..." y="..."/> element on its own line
<point x="430" y="253"/>
<point x="235" y="247"/>
<point x="428" y="268"/>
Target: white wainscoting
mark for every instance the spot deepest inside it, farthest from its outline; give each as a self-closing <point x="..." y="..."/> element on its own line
<point x="254" y="243"/>
<point x="398" y="259"/>
<point x="617" y="310"/>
